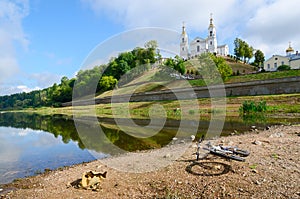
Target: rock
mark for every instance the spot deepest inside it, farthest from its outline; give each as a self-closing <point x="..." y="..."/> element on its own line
<point x="193" y="137"/>
<point x="253" y="127"/>
<point x="276" y="135"/>
<point x="1" y="190"/>
<point x="256" y="142"/>
<point x="174" y="138"/>
<point x="167" y="155"/>
<point x="257" y="182"/>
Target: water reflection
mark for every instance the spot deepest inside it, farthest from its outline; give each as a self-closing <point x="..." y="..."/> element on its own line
<point x="25" y="152"/>
<point x="30" y="142"/>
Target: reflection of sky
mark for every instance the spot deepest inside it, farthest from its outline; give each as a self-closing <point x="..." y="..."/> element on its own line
<point x="24" y="152"/>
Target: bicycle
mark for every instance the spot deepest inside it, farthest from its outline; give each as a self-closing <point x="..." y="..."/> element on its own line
<point x="228" y="152"/>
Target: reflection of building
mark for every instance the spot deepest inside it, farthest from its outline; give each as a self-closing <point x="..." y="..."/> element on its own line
<point x="291" y="59"/>
<point x="200" y="45"/>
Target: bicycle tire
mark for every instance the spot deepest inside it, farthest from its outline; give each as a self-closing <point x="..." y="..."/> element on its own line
<point x="224" y="155"/>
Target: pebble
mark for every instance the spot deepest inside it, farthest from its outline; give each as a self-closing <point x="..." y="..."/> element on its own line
<point x="257" y="182"/>
<point x="167" y="155"/>
<point x="193" y="137"/>
<point x="277" y="135"/>
<point x="256" y="142"/>
<point x="1" y="190"/>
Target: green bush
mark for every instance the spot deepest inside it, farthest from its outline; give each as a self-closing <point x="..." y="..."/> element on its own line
<point x="191" y="112"/>
<point x="283" y="67"/>
<point x="252" y="107"/>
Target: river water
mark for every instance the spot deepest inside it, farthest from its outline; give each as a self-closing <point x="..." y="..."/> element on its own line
<point x="31" y="143"/>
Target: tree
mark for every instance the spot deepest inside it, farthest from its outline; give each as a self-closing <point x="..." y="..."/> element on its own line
<point x="177" y="64"/>
<point x="152" y="44"/>
<point x="239" y="50"/>
<point x="107" y="83"/>
<point x="259" y="58"/>
<point x="248" y="52"/>
<point x="224" y="69"/>
<point x="242" y="50"/>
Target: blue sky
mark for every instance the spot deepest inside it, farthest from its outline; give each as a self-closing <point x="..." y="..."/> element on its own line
<point x="41" y="41"/>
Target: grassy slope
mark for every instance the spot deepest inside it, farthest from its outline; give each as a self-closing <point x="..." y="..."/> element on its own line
<point x="145" y="83"/>
<point x="287" y="104"/>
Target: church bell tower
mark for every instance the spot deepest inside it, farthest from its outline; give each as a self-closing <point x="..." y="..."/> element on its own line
<point x="184" y="44"/>
<point x="212" y="37"/>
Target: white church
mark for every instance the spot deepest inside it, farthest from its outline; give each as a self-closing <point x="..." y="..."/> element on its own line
<point x="200" y="45"/>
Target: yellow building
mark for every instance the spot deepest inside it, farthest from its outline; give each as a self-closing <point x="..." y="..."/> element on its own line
<point x="291" y="59"/>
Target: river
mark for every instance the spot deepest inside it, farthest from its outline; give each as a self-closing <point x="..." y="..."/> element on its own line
<point x="32" y="143"/>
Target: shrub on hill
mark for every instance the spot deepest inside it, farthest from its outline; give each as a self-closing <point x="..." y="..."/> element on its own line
<point x="283" y="67"/>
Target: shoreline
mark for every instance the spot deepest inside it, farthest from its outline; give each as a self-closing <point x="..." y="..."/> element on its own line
<point x="273" y="162"/>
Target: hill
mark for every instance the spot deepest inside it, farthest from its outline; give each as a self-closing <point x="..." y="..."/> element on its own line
<point x="237" y="67"/>
<point x="146" y="82"/>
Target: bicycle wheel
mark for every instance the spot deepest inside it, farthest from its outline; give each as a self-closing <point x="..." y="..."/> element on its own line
<point x="226" y="155"/>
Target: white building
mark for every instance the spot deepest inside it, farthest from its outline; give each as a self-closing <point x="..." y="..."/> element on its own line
<point x="291" y="59"/>
<point x="199" y="45"/>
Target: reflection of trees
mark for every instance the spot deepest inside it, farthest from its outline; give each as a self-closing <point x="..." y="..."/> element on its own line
<point x="58" y="125"/>
<point x="90" y="137"/>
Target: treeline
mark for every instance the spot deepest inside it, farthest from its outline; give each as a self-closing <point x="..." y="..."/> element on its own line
<point x="105" y="77"/>
<point x="244" y="51"/>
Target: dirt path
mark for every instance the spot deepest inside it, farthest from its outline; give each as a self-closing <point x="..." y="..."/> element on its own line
<point x="271" y="171"/>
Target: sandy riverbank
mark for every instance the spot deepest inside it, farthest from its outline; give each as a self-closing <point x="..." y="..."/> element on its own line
<point x="271" y="171"/>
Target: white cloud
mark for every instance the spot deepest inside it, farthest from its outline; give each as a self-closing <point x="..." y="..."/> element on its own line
<point x="11" y="89"/>
<point x="28" y="83"/>
<point x="11" y="33"/>
<point x="24" y="88"/>
<point x="265" y="24"/>
<point x="274" y="25"/>
<point x="45" y="79"/>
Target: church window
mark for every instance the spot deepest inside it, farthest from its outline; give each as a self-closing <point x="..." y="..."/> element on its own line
<point x="198" y="48"/>
<point x="198" y="40"/>
<point x="268" y="66"/>
<point x="210" y="42"/>
<point x="210" y="33"/>
<point x="276" y="58"/>
<point x="282" y="63"/>
<point x="182" y="49"/>
<point x="182" y="40"/>
<point x="275" y="65"/>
